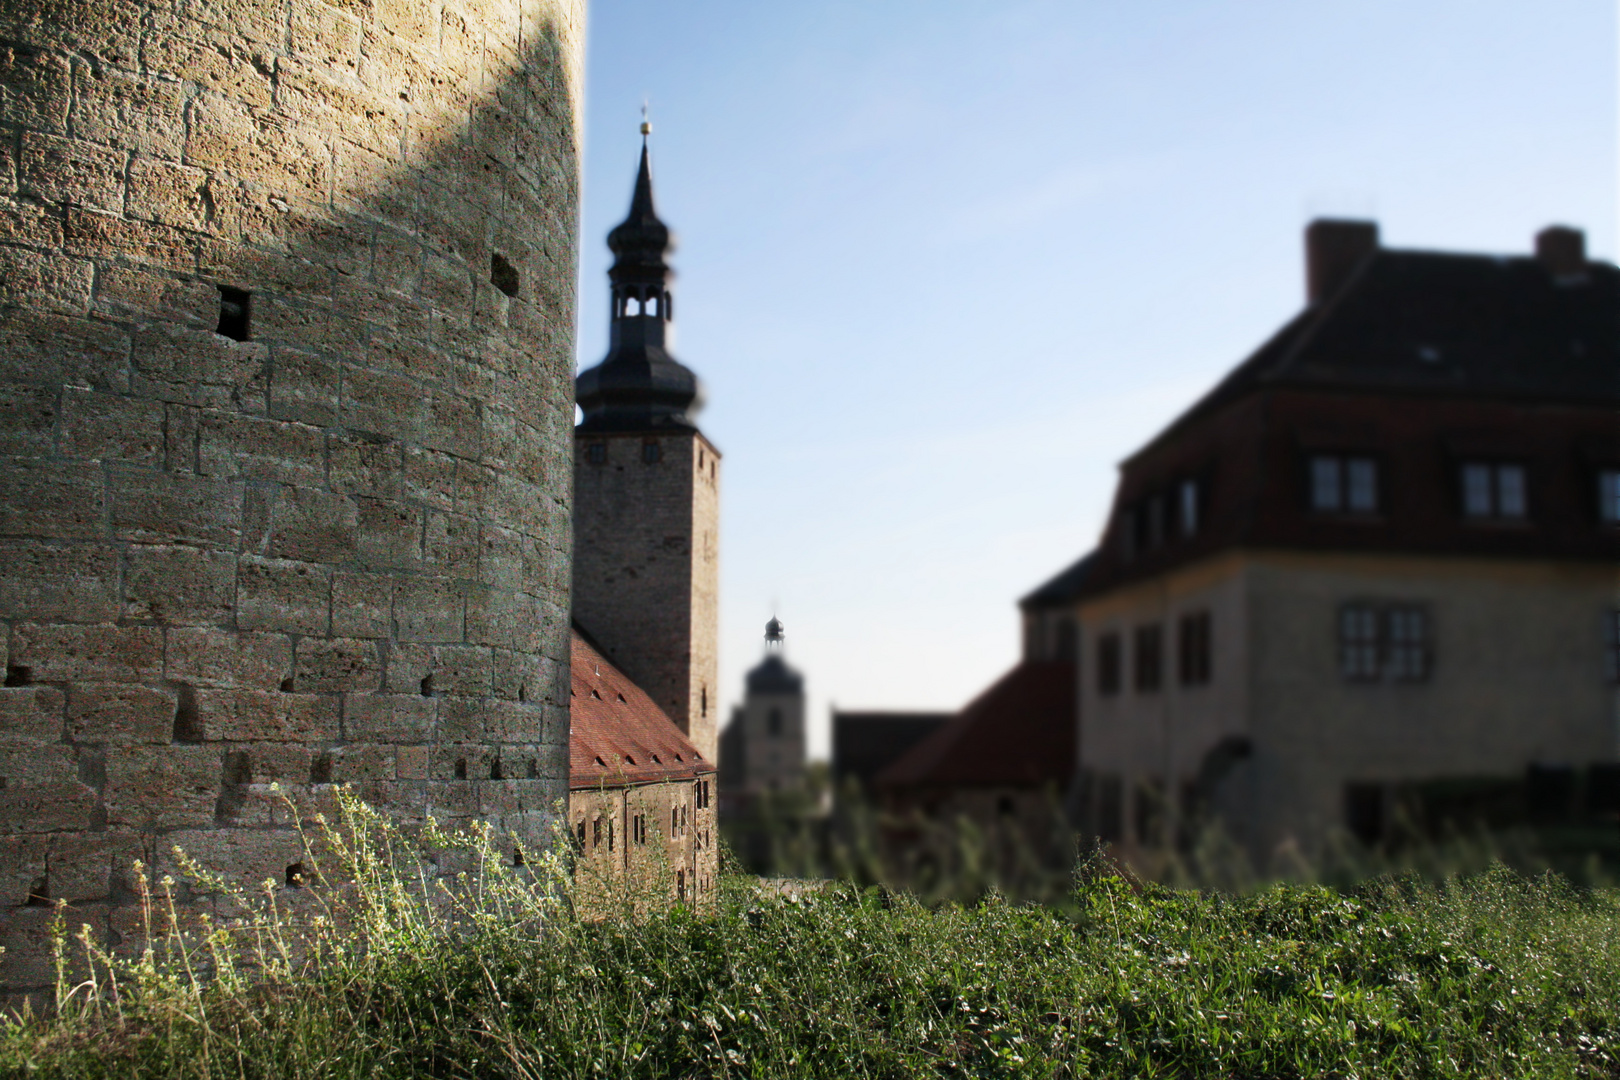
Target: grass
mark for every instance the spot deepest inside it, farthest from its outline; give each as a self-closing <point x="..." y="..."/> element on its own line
<point x="382" y="972"/>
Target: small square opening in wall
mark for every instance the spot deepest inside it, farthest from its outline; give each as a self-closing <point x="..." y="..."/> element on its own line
<point x="235" y="313"/>
<point x="503" y="275"/>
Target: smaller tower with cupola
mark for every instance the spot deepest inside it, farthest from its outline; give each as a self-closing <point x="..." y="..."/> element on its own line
<point x="646" y="490"/>
<point x="762" y="749"/>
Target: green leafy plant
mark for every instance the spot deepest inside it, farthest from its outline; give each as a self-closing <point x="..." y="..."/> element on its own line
<point x="381" y="965"/>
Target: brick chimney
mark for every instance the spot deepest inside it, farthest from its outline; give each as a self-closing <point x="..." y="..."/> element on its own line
<point x="1561" y="250"/>
<point x="1333" y="250"/>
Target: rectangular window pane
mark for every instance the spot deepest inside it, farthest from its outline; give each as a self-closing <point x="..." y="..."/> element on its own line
<point x="1476" y="490"/>
<point x="1611" y="645"/>
<point x="1363" y="484"/>
<point x="1408" y="644"/>
<point x="1510" y="500"/>
<point x="1155" y="520"/>
<point x="1325" y="494"/>
<point x="1358" y="642"/>
<point x="1609" y="494"/>
<point x="1189" y="507"/>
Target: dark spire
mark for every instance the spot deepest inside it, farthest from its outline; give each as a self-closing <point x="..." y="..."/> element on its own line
<point x="639" y="385"/>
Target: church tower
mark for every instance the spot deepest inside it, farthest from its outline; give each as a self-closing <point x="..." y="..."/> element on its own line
<point x="762" y="748"/>
<point x="646" y="490"/>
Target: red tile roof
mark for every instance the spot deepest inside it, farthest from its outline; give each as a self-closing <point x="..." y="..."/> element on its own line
<point x="617" y="735"/>
<point x="1020" y="733"/>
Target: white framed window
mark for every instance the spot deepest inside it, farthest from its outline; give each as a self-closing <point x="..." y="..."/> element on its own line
<point x="1494" y="491"/>
<point x="1187" y="499"/>
<point x="1609" y="496"/>
<point x="1407" y="657"/>
<point x="1358" y="642"/>
<point x="1327" y="493"/>
<point x="1361" y="485"/>
<point x="1344" y="484"/>
<point x="1384" y="642"/>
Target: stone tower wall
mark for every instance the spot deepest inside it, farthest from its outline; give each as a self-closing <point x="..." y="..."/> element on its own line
<point x="773" y="762"/>
<point x="647" y="566"/>
<point x="336" y="550"/>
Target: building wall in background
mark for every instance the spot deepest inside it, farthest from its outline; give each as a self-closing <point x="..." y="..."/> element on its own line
<point x="1275" y="738"/>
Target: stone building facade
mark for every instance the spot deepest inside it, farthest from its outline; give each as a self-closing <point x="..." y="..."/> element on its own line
<point x="1374" y="570"/>
<point x="286" y="309"/>
<point x="642" y="798"/>
<point x="647" y="491"/>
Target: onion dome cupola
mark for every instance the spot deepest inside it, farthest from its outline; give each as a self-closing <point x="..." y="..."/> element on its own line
<point x="772" y="675"/>
<point x="639" y="386"/>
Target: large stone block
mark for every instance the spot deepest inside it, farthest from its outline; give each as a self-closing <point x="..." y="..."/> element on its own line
<point x="138" y="294"/>
<point x="388" y="718"/>
<point x="362" y="605"/>
<point x="31" y="714"/>
<point x="46" y="806"/>
<point x="129" y="111"/>
<point x="250" y="448"/>
<point x="55" y="500"/>
<point x="179" y="586"/>
<point x="338" y="664"/>
<point x="57" y="653"/>
<point x="428" y="609"/>
<point x="57" y="170"/>
<point x="169" y="193"/>
<point x="281" y="594"/>
<point x="228" y="659"/>
<point x="35" y="88"/>
<point x="167" y="508"/>
<point x="261" y="716"/>
<point x="114" y="713"/>
<point x="313" y="526"/>
<point x="67" y="582"/>
<point x="42" y="349"/>
<point x="169" y="787"/>
<point x="108" y="427"/>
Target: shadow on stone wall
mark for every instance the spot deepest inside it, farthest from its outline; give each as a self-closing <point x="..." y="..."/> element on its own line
<point x="335" y="550"/>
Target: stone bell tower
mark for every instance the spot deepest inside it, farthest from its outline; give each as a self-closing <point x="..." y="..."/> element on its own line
<point x="646" y="490"/>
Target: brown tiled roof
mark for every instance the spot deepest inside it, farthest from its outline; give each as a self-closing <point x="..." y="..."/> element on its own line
<point x="1420" y="361"/>
<point x="1020" y="732"/>
<point x="617" y="735"/>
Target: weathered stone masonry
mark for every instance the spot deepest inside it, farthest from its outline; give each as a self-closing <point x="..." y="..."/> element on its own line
<point x="286" y="309"/>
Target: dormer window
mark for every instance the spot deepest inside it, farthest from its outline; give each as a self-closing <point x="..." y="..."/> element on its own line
<point x="1493" y="491"/>
<point x="1344" y="485"/>
<point x="1609" y="497"/>
<point x="1187" y="507"/>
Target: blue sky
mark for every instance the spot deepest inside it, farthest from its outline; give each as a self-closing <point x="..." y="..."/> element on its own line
<point x="942" y="265"/>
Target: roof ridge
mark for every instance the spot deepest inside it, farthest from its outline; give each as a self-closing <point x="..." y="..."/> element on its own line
<point x="1324" y="312"/>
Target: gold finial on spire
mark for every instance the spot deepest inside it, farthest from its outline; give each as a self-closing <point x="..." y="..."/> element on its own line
<point x="646" y="124"/>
